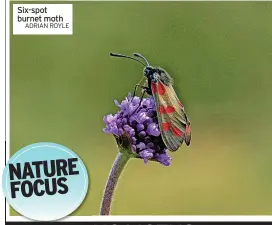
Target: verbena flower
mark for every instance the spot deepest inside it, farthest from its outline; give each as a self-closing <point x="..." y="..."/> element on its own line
<point x="137" y="132"/>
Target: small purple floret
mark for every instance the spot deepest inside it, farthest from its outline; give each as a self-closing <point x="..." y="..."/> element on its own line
<point x="153" y="129"/>
<point x="141" y="126"/>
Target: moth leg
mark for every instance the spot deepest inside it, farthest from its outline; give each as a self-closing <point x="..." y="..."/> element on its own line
<point x="136" y="86"/>
<point x="142" y="96"/>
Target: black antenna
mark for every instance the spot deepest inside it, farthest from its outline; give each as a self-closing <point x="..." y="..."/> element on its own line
<point x="124" y="56"/>
<point x="140" y="56"/>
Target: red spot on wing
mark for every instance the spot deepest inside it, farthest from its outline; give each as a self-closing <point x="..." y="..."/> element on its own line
<point x="170" y="109"/>
<point x="177" y="132"/>
<point x="161" y="88"/>
<point x="154" y="88"/>
<point x="162" y="109"/>
<point x="166" y="126"/>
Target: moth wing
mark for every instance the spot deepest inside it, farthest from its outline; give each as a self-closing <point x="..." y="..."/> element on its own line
<point x="172" y="119"/>
<point x="183" y="115"/>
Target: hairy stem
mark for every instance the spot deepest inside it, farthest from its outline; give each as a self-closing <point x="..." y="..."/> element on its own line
<point x="116" y="170"/>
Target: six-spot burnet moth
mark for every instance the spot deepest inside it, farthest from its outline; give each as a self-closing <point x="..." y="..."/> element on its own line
<point x="173" y="121"/>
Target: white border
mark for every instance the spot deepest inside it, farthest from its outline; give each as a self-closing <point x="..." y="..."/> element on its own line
<point x="2" y="82"/>
<point x="89" y="218"/>
<point x="138" y="1"/>
<point x="7" y="92"/>
<point x="153" y="218"/>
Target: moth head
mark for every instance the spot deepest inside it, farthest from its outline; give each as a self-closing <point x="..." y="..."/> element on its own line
<point x="148" y="71"/>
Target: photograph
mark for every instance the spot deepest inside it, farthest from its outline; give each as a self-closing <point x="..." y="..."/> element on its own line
<point x="138" y="108"/>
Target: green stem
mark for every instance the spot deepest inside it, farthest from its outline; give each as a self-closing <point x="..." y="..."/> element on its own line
<point x="116" y="170"/>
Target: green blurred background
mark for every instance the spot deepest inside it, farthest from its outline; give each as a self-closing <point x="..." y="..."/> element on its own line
<point x="220" y="55"/>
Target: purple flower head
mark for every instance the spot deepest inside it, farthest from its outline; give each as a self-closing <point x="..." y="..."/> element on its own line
<point x="136" y="129"/>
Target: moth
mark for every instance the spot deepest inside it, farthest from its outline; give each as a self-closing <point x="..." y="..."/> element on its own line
<point x="175" y="126"/>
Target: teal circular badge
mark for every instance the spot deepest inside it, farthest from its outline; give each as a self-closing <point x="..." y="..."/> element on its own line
<point x="45" y="181"/>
